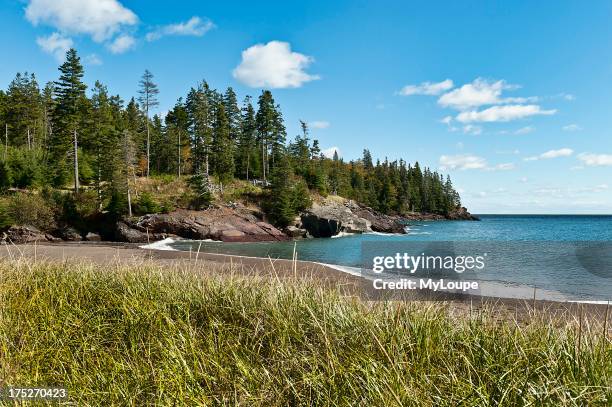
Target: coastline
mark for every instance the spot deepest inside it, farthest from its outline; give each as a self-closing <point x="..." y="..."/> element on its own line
<point x="518" y="310"/>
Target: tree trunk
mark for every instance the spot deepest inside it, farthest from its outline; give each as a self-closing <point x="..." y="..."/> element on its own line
<point x="76" y="163"/>
<point x="148" y="144"/>
<point x="129" y="197"/>
<point x="179" y="154"/>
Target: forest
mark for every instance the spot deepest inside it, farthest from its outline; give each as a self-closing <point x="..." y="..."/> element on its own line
<point x="73" y="146"/>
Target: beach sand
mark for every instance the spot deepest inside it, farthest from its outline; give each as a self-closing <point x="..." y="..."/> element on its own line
<point x="517" y="310"/>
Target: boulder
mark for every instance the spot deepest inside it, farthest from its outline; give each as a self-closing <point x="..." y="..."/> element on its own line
<point x="24" y="234"/>
<point x="125" y="233"/>
<point x="332" y="217"/>
<point x="93" y="237"/>
<point x="295" y="232"/>
<point x="69" y="233"/>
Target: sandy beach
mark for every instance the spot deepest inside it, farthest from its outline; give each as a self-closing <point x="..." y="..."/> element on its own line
<point x="212" y="263"/>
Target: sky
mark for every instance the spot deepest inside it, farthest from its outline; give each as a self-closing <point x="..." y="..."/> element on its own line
<point x="512" y="99"/>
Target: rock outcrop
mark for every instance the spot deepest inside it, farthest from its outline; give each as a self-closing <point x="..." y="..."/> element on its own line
<point x="25" y="234"/>
<point x="461" y="213"/>
<point x="334" y="216"/>
<point x="220" y="223"/>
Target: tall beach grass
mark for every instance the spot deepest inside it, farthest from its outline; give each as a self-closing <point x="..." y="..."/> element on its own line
<point x="141" y="335"/>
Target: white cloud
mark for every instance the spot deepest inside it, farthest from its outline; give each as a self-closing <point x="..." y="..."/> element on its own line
<point x="571" y="127"/>
<point x="121" y="44"/>
<point x="195" y="26"/>
<point x="462" y="162"/>
<point x="329" y="152"/>
<point x="478" y="93"/>
<point x="55" y="44"/>
<point x="318" y="124"/>
<point x="562" y="152"/>
<point x="524" y="130"/>
<point x="504" y="167"/>
<point x="92" y="59"/>
<point x="502" y="113"/>
<point x="471" y="129"/>
<point x="596" y="160"/>
<point x="447" y="120"/>
<point x="524" y="180"/>
<point x="273" y="65"/>
<point x="101" y="19"/>
<point x="427" y="88"/>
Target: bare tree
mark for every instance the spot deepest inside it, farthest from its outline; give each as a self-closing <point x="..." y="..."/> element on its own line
<point x="148" y="99"/>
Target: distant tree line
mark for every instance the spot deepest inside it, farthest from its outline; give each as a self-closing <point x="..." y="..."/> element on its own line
<point x="59" y="136"/>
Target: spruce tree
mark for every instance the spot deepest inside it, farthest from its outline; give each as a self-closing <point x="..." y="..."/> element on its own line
<point x="70" y="92"/>
<point x="148" y="99"/>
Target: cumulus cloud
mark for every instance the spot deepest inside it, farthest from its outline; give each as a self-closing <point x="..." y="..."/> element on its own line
<point x="562" y="152"/>
<point x="470" y="162"/>
<point x="55" y="44"/>
<point x="195" y="26"/>
<point x="427" y="88"/>
<point x="571" y="127"/>
<point x="329" y="152"/>
<point x="122" y="44"/>
<point x="596" y="160"/>
<point x="101" y="19"/>
<point x="503" y="113"/>
<point x="318" y="124"/>
<point x="462" y="162"/>
<point x="478" y="93"/>
<point x="273" y="65"/>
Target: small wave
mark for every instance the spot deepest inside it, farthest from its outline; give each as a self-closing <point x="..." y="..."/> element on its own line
<point x="384" y="234"/>
<point x="354" y="271"/>
<point x="418" y="233"/>
<point x="161" y="245"/>
<point x="342" y="234"/>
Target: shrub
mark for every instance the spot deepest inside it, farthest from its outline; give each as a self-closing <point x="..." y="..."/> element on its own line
<point x="146" y="204"/>
<point x="30" y="209"/>
<point x="6" y="177"/>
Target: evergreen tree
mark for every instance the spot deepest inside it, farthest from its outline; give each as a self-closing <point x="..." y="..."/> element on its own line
<point x="70" y="93"/>
<point x="247" y="164"/>
<point x="148" y="99"/>
<point x="222" y="147"/>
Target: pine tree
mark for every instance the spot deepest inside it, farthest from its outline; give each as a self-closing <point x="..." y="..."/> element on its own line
<point x="148" y="99"/>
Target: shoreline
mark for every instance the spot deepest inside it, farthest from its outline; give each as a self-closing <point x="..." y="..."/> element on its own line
<point x="328" y="275"/>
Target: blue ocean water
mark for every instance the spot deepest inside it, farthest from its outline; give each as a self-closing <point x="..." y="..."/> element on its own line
<point x="566" y="256"/>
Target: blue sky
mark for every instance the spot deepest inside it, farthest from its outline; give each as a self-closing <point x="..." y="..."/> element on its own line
<point x="511" y="98"/>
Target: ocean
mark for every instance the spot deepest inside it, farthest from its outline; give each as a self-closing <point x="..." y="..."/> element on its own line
<point x="565" y="257"/>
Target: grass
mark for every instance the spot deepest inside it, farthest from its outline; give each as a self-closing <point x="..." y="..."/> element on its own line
<point x="139" y="335"/>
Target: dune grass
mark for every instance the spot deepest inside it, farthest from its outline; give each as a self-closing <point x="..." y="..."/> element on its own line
<point x="140" y="335"/>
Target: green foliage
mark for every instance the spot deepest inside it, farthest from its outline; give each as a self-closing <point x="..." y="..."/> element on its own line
<point x="6" y="177"/>
<point x="146" y="204"/>
<point x="147" y="335"/>
<point x="30" y="210"/>
<point x="5" y="217"/>
<point x="200" y="184"/>
<point x="288" y="195"/>
<point x="207" y="132"/>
